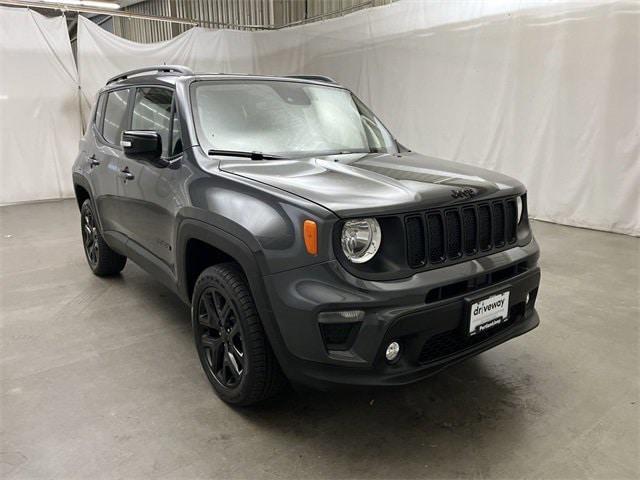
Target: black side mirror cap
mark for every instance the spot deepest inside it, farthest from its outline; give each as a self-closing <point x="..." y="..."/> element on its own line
<point x="146" y="144"/>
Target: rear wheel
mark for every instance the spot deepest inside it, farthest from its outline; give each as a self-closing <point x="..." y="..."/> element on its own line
<point x="231" y="343"/>
<point x="102" y="260"/>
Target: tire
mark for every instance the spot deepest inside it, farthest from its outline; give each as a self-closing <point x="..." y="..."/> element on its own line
<point x="101" y="259"/>
<point x="232" y="346"/>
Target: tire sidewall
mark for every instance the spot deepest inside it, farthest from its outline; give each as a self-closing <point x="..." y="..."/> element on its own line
<point x="211" y="277"/>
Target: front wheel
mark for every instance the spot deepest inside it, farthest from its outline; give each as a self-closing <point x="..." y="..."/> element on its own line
<point x="231" y="343"/>
<point x="101" y="259"/>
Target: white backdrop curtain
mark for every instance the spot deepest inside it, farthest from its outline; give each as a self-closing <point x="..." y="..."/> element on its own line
<point x="546" y="92"/>
<point x="39" y="107"/>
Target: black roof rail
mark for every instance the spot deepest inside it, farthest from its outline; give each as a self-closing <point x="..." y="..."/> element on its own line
<point x="317" y="78"/>
<point x="159" y="68"/>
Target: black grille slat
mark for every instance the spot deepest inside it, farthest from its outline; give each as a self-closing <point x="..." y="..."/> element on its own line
<point x="511" y="221"/>
<point x="484" y="227"/>
<point x="498" y="224"/>
<point x="469" y="230"/>
<point x="435" y="235"/>
<point x="416" y="242"/>
<point x="454" y="234"/>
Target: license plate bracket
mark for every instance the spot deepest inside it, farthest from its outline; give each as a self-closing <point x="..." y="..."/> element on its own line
<point x="487" y="311"/>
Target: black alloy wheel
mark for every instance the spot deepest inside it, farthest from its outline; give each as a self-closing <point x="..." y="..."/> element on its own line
<point x="90" y="237"/>
<point x="221" y="337"/>
<point x="102" y="259"/>
<point x="230" y="339"/>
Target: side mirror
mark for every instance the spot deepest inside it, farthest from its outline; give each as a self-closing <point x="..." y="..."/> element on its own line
<point x="146" y="144"/>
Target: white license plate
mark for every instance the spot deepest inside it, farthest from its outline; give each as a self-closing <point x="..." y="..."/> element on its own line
<point x="488" y="312"/>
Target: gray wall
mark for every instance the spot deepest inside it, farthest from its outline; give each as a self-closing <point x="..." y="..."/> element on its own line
<point x="252" y="14"/>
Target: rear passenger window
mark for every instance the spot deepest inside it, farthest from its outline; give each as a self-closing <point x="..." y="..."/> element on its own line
<point x="115" y="116"/>
<point x="152" y="111"/>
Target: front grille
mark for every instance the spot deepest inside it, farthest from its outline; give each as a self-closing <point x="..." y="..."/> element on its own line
<point x="451" y="233"/>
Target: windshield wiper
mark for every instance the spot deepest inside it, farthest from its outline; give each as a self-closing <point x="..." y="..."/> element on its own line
<point x="238" y="153"/>
<point x="348" y="152"/>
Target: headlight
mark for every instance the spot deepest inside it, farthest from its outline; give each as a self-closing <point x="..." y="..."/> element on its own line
<point x="519" y="208"/>
<point x="361" y="239"/>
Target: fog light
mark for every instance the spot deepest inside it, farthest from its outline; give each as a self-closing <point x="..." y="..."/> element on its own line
<point x="393" y="351"/>
<point x="526" y="300"/>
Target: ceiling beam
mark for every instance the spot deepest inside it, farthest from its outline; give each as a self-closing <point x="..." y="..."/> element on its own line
<point x="120" y="13"/>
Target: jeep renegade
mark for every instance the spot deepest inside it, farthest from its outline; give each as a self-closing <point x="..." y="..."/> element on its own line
<point x="310" y="244"/>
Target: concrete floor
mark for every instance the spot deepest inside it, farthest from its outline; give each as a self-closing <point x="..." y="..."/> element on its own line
<point x="100" y="379"/>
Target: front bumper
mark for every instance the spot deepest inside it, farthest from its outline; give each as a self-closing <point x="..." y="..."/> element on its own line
<point x="425" y="313"/>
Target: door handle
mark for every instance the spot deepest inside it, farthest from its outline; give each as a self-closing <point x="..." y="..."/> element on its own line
<point x="126" y="174"/>
<point x="93" y="161"/>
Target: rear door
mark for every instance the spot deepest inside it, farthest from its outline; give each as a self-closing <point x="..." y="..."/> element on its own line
<point x="111" y="119"/>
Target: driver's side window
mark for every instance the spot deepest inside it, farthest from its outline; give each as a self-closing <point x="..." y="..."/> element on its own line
<point x="152" y="111"/>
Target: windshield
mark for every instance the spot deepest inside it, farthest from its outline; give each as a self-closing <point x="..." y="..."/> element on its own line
<point x="285" y="118"/>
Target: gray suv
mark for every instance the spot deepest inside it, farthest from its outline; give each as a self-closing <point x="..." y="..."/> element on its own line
<point x="310" y="244"/>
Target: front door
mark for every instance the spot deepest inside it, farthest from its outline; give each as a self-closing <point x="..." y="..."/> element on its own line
<point x="151" y="193"/>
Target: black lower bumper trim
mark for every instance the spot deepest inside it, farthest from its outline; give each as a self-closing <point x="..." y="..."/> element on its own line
<point x="325" y="377"/>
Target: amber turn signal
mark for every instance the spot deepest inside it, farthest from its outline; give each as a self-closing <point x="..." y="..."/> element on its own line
<point x="311" y="237"/>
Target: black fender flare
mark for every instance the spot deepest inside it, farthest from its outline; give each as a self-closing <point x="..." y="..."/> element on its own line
<point x="80" y="180"/>
<point x="83" y="182"/>
<point x="237" y="249"/>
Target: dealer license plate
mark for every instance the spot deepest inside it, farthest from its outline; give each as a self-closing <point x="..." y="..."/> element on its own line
<point x="488" y="312"/>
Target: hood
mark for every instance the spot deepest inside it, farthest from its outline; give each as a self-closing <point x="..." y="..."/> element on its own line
<point x="357" y="184"/>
